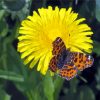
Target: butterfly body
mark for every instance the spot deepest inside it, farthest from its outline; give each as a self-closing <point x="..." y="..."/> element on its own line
<point x="65" y="63"/>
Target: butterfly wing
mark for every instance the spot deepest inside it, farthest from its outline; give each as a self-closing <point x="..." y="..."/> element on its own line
<point x="58" y="46"/>
<point x="53" y="64"/>
<point x="56" y="62"/>
<point x="66" y="63"/>
<point x="68" y="71"/>
<point x="58" y="59"/>
<point x="82" y="60"/>
<point x="75" y="61"/>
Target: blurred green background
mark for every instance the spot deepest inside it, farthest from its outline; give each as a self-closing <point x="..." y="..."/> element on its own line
<point x="18" y="82"/>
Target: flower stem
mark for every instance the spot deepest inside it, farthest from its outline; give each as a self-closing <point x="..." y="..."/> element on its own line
<point x="58" y="85"/>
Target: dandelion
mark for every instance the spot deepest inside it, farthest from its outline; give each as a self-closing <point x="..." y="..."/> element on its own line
<point x="38" y="32"/>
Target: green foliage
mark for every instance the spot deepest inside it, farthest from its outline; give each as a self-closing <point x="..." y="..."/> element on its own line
<point x="48" y="86"/>
<point x="4" y="95"/>
<point x="96" y="48"/>
<point x="30" y="83"/>
<point x="98" y="10"/>
<point x="86" y="93"/>
<point x="11" y="76"/>
<point x="14" y="5"/>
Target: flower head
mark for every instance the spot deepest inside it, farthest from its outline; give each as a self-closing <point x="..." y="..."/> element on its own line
<point x="39" y="31"/>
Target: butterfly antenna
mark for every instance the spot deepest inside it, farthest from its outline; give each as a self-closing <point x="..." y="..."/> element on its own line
<point x="82" y="78"/>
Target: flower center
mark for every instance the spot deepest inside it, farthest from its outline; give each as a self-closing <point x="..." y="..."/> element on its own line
<point x="54" y="33"/>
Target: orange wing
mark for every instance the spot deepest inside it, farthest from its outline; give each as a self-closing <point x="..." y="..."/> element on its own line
<point x="58" y="46"/>
<point x="53" y="64"/>
<point x="82" y="60"/>
<point x="67" y="63"/>
<point x="68" y="72"/>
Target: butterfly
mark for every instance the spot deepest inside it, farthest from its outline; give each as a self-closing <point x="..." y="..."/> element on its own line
<point x="67" y="64"/>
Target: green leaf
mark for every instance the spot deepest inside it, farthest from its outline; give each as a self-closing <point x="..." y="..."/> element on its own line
<point x="11" y="76"/>
<point x="2" y="12"/>
<point x="14" y="5"/>
<point x="87" y="9"/>
<point x="85" y="93"/>
<point x="3" y="28"/>
<point x="34" y="86"/>
<point x="48" y="86"/>
<point x="14" y="62"/>
<point x="58" y="82"/>
<point x="98" y="10"/>
<point x="73" y="85"/>
<point x="34" y="95"/>
<point x="98" y="77"/>
<point x="96" y="48"/>
<point x="4" y="95"/>
<point x="69" y="96"/>
<point x="70" y="93"/>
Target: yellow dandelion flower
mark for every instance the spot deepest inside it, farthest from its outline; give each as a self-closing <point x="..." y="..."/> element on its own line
<point x="38" y="32"/>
